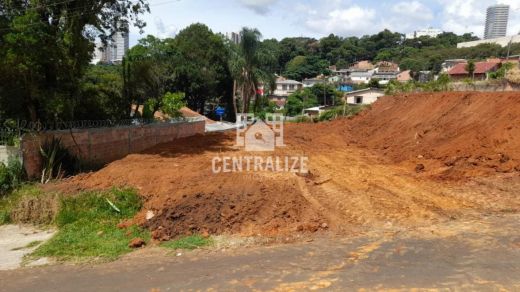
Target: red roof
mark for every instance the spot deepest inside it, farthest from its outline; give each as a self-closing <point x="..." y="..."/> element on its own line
<point x="480" y="68"/>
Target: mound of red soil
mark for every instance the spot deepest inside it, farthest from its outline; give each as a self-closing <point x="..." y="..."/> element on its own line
<point x="188" y="113"/>
<point x="469" y="133"/>
<point x="371" y="170"/>
<point x="179" y="187"/>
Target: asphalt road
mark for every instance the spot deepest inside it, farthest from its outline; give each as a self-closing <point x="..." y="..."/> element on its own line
<point x="478" y="254"/>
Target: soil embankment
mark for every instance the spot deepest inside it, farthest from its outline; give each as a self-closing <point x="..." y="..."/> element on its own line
<point x="363" y="171"/>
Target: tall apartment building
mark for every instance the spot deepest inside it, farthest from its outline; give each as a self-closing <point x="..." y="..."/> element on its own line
<point x="497" y="18"/>
<point x="114" y="51"/>
<point x="120" y="46"/>
<point x="234" y="37"/>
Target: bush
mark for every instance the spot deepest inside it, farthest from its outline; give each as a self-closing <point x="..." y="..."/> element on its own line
<point x="441" y="84"/>
<point x="172" y="103"/>
<point x="513" y="75"/>
<point x="11" y="175"/>
<point x="329" y="115"/>
<point x="149" y="109"/>
<point x="57" y="160"/>
<point x="22" y="201"/>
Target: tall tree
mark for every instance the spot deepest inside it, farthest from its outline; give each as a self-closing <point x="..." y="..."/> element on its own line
<point x="147" y="71"/>
<point x="46" y="46"/>
<point x="201" y="70"/>
<point x="250" y="68"/>
<point x="470" y="68"/>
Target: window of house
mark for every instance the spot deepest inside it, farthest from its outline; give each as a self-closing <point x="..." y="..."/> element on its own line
<point x="291" y="87"/>
<point x="359" y="99"/>
<point x="284" y="87"/>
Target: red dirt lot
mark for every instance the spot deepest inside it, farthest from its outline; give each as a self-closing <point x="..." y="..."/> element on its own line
<point x="362" y="172"/>
<point x="467" y="133"/>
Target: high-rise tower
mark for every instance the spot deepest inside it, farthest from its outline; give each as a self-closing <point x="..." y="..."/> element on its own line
<point x="497" y="18"/>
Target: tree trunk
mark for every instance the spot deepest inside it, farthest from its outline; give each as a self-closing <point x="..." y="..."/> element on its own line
<point x="235" y="108"/>
<point x="244" y="99"/>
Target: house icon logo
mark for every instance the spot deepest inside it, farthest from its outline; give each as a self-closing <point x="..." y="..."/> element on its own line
<point x="257" y="135"/>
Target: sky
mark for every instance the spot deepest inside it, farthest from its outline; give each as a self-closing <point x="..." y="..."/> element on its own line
<point x="319" y="18"/>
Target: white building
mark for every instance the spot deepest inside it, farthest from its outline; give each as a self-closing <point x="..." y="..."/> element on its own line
<point x="234" y="37"/>
<point x="284" y="88"/>
<point x="497" y="17"/>
<point x="361" y="76"/>
<point x="429" y="32"/>
<point x="504" y="41"/>
<point x="120" y="46"/>
<point x="114" y="51"/>
<point x="364" y="96"/>
<point x="312" y="81"/>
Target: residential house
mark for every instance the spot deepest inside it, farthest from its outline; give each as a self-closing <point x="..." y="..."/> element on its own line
<point x="482" y="70"/>
<point x="404" y="76"/>
<point x="313" y="81"/>
<point x="363" y="65"/>
<point x="425" y="76"/>
<point x="385" y="66"/>
<point x="335" y="79"/>
<point x="449" y="64"/>
<point x="317" y="111"/>
<point x="283" y="89"/>
<point x="364" y="96"/>
<point x="386" y="71"/>
<point x="361" y="76"/>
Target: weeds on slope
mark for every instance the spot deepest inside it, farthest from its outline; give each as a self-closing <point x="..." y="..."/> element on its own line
<point x="16" y="201"/>
<point x="88" y="226"/>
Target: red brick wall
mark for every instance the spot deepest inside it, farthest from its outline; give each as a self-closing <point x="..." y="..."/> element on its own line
<point x="103" y="145"/>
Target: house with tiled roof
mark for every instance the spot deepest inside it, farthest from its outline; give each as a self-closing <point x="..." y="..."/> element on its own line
<point x="482" y="70"/>
<point x="283" y="89"/>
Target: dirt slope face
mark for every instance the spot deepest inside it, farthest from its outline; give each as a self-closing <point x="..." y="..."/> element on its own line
<point x="463" y="134"/>
<point x="185" y="196"/>
<point x="362" y="172"/>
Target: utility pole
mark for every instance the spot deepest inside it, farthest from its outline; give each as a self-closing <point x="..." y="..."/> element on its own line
<point x="509" y="48"/>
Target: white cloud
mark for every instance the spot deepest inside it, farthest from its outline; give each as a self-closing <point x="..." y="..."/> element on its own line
<point x="412" y="10"/>
<point x="354" y="20"/>
<point x="258" y="6"/>
<point x="164" y="31"/>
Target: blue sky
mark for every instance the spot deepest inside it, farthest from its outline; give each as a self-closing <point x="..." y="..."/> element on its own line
<point x="318" y="18"/>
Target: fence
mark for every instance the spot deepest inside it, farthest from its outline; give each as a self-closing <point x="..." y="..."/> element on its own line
<point x="94" y="142"/>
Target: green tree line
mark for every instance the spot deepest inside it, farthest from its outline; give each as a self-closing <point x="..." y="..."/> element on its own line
<point x="46" y="47"/>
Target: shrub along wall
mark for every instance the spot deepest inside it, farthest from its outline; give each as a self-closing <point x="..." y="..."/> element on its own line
<point x="100" y="146"/>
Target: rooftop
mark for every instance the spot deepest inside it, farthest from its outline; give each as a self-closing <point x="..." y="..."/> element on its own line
<point x="288" y="82"/>
<point x="480" y="68"/>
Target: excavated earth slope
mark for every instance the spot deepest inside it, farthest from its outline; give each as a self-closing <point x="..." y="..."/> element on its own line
<point x="410" y="160"/>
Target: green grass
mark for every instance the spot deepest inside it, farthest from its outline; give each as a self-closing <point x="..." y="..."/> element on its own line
<point x="10" y="201"/>
<point x="88" y="226"/>
<point x="188" y="243"/>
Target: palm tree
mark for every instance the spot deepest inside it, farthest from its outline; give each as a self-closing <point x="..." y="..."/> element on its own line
<point x="246" y="68"/>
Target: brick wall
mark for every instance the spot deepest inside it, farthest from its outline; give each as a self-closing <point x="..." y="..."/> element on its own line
<point x="100" y="146"/>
